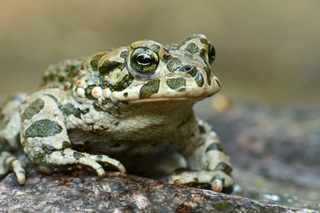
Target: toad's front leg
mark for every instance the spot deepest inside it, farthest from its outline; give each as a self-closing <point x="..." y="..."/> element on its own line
<point x="45" y="139"/>
<point x="208" y="165"/>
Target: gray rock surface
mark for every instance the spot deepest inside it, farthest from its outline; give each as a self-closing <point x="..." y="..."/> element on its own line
<point x="117" y="193"/>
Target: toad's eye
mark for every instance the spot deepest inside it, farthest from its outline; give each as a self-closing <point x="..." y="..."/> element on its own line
<point x="144" y="60"/>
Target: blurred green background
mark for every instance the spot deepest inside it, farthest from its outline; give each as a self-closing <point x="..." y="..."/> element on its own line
<point x="267" y="51"/>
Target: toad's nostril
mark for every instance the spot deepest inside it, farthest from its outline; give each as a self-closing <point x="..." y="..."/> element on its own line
<point x="187" y="68"/>
<point x="192" y="70"/>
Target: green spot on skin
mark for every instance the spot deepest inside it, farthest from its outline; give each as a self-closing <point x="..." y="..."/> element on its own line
<point x="34" y="108"/>
<point x="99" y="158"/>
<point x="178" y="84"/>
<point x="199" y="79"/>
<point x="48" y="149"/>
<point x="204" y="41"/>
<point x="43" y="128"/>
<point x="174" y="64"/>
<point x="107" y="101"/>
<point x="190" y="38"/>
<point x="108" y="66"/>
<point x="54" y="98"/>
<point x="123" y="84"/>
<point x="97" y="108"/>
<point x="192" y="48"/>
<point x="124" y="54"/>
<point x="66" y="144"/>
<point x="150" y="88"/>
<point x="17" y="138"/>
<point x="84" y="111"/>
<point x="215" y="146"/>
<point x="223" y="167"/>
<point x="207" y="70"/>
<point x="78" y="155"/>
<point x="192" y="70"/>
<point x="211" y="53"/>
<point x="69" y="109"/>
<point x="94" y="61"/>
<point x="88" y="92"/>
<point x="201" y="129"/>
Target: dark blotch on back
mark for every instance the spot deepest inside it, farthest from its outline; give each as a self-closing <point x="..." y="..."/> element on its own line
<point x="150" y="88"/>
<point x="34" y="108"/>
<point x="192" y="48"/>
<point x="43" y="128"/>
<point x="94" y="61"/>
<point x="204" y="41"/>
<point x="108" y="66"/>
<point x="69" y="109"/>
<point x="174" y="64"/>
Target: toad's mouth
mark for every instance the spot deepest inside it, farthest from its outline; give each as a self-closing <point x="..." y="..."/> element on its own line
<point x="150" y="100"/>
<point x="190" y="92"/>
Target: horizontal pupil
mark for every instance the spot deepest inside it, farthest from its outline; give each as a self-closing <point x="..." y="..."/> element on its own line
<point x="144" y="59"/>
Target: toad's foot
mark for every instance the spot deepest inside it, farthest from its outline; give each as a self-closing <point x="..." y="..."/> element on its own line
<point x="69" y="156"/>
<point x="218" y="181"/>
<point x="10" y="162"/>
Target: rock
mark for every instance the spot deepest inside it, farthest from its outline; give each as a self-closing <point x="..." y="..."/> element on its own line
<point x="117" y="193"/>
<point x="275" y="152"/>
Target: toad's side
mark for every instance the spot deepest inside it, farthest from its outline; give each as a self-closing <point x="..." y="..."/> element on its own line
<point x="120" y="108"/>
